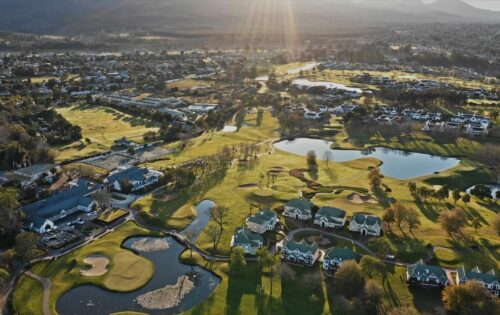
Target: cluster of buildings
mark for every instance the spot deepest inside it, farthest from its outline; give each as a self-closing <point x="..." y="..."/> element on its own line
<point x="323" y="110"/>
<point x="436" y="121"/>
<point x="74" y="204"/>
<point x="250" y="237"/>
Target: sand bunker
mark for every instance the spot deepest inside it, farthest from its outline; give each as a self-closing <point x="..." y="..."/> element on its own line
<point x="360" y="199"/>
<point x="166" y="297"/>
<point x="98" y="266"/>
<point x="251" y="185"/>
<point x="150" y="244"/>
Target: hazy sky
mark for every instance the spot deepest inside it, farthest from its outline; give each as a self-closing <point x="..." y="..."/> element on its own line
<point x="485" y="4"/>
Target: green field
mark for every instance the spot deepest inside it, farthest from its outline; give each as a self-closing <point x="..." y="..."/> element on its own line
<point x="127" y="270"/>
<point x="102" y="126"/>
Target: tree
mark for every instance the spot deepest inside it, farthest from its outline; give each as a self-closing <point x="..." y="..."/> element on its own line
<point x="456" y="195"/>
<point x="466" y="199"/>
<point x="311" y="160"/>
<point x="389" y="217"/>
<point x="412" y="218"/>
<point x="452" y="221"/>
<point x="403" y="310"/>
<point x="400" y="213"/>
<point x="10" y="214"/>
<point x="238" y="261"/>
<point x="26" y="245"/>
<point x="219" y="215"/>
<point x="328" y="156"/>
<point x="496" y="223"/>
<point x="126" y="186"/>
<point x="349" y="278"/>
<point x="481" y="191"/>
<point x="470" y="298"/>
<point x="381" y="246"/>
<point x="240" y="117"/>
<point x="375" y="178"/>
<point x="103" y="198"/>
<point x="213" y="232"/>
<point x="374" y="295"/>
<point x="476" y="223"/>
<point x="371" y="265"/>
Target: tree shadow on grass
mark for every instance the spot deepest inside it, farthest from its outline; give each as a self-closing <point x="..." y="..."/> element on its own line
<point x="427" y="210"/>
<point x="382" y="197"/>
<point x="426" y="300"/>
<point x="301" y="291"/>
<point x="481" y="254"/>
<point x="247" y="282"/>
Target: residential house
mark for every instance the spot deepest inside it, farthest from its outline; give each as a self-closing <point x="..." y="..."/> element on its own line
<point x="262" y="221"/>
<point x="344" y="109"/>
<point x="27" y="176"/>
<point x="300" y="252"/>
<point x="336" y="256"/>
<point x="299" y="209"/>
<point x="50" y="213"/>
<point x="313" y="115"/>
<point x="365" y="224"/>
<point x="246" y="239"/>
<point x="488" y="279"/>
<point x="426" y="275"/>
<point x="476" y="129"/>
<point x="330" y="217"/>
<point x="139" y="178"/>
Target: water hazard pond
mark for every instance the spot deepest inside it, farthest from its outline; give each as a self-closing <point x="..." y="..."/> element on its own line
<point x="89" y="299"/>
<point x="396" y="163"/>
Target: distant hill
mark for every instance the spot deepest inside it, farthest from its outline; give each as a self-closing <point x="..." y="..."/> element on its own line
<point x="228" y="16"/>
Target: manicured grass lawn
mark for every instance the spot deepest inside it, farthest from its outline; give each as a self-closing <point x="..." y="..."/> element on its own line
<point x="189" y="83"/>
<point x="177" y="213"/>
<point x="102" y="126"/>
<point x="127" y="270"/>
<point x="113" y="215"/>
<point x="28" y="296"/>
<point x="208" y="144"/>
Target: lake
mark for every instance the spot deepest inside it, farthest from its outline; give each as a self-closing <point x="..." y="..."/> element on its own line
<point x="396" y="163"/>
<point x="90" y="299"/>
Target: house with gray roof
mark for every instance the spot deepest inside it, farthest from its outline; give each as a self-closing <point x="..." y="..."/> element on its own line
<point x="246" y="239"/>
<point x="50" y="213"/>
<point x="300" y="252"/>
<point x="426" y="275"/>
<point x="299" y="209"/>
<point x="330" y="217"/>
<point x="336" y="256"/>
<point x="488" y="279"/>
<point x="138" y="177"/>
<point x="262" y="221"/>
<point x="365" y="224"/>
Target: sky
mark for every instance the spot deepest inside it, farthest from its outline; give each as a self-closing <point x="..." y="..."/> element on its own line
<point x="483" y="4"/>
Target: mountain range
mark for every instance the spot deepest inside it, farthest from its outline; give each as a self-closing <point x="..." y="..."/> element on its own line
<point x="229" y="16"/>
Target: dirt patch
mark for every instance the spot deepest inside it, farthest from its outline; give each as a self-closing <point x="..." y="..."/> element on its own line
<point x="166" y="297"/>
<point x="98" y="266"/>
<point x="319" y="239"/>
<point x="150" y="245"/>
<point x="361" y="199"/>
<point x="249" y="185"/>
<point x="165" y="196"/>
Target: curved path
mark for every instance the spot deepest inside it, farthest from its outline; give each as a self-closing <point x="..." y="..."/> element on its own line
<point x="47" y="284"/>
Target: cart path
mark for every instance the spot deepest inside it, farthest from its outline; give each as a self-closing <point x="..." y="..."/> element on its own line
<point x="47" y="284"/>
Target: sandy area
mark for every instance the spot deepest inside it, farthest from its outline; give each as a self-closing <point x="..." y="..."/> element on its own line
<point x="98" y="266"/>
<point x="251" y="185"/>
<point x="150" y="245"/>
<point x="166" y="297"/>
<point x="360" y="199"/>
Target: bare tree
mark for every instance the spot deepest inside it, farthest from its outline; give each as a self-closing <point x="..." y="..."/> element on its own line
<point x="219" y="214"/>
<point x="213" y="232"/>
<point x="103" y="199"/>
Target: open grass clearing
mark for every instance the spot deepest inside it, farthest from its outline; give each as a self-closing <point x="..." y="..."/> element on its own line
<point x="102" y="126"/>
